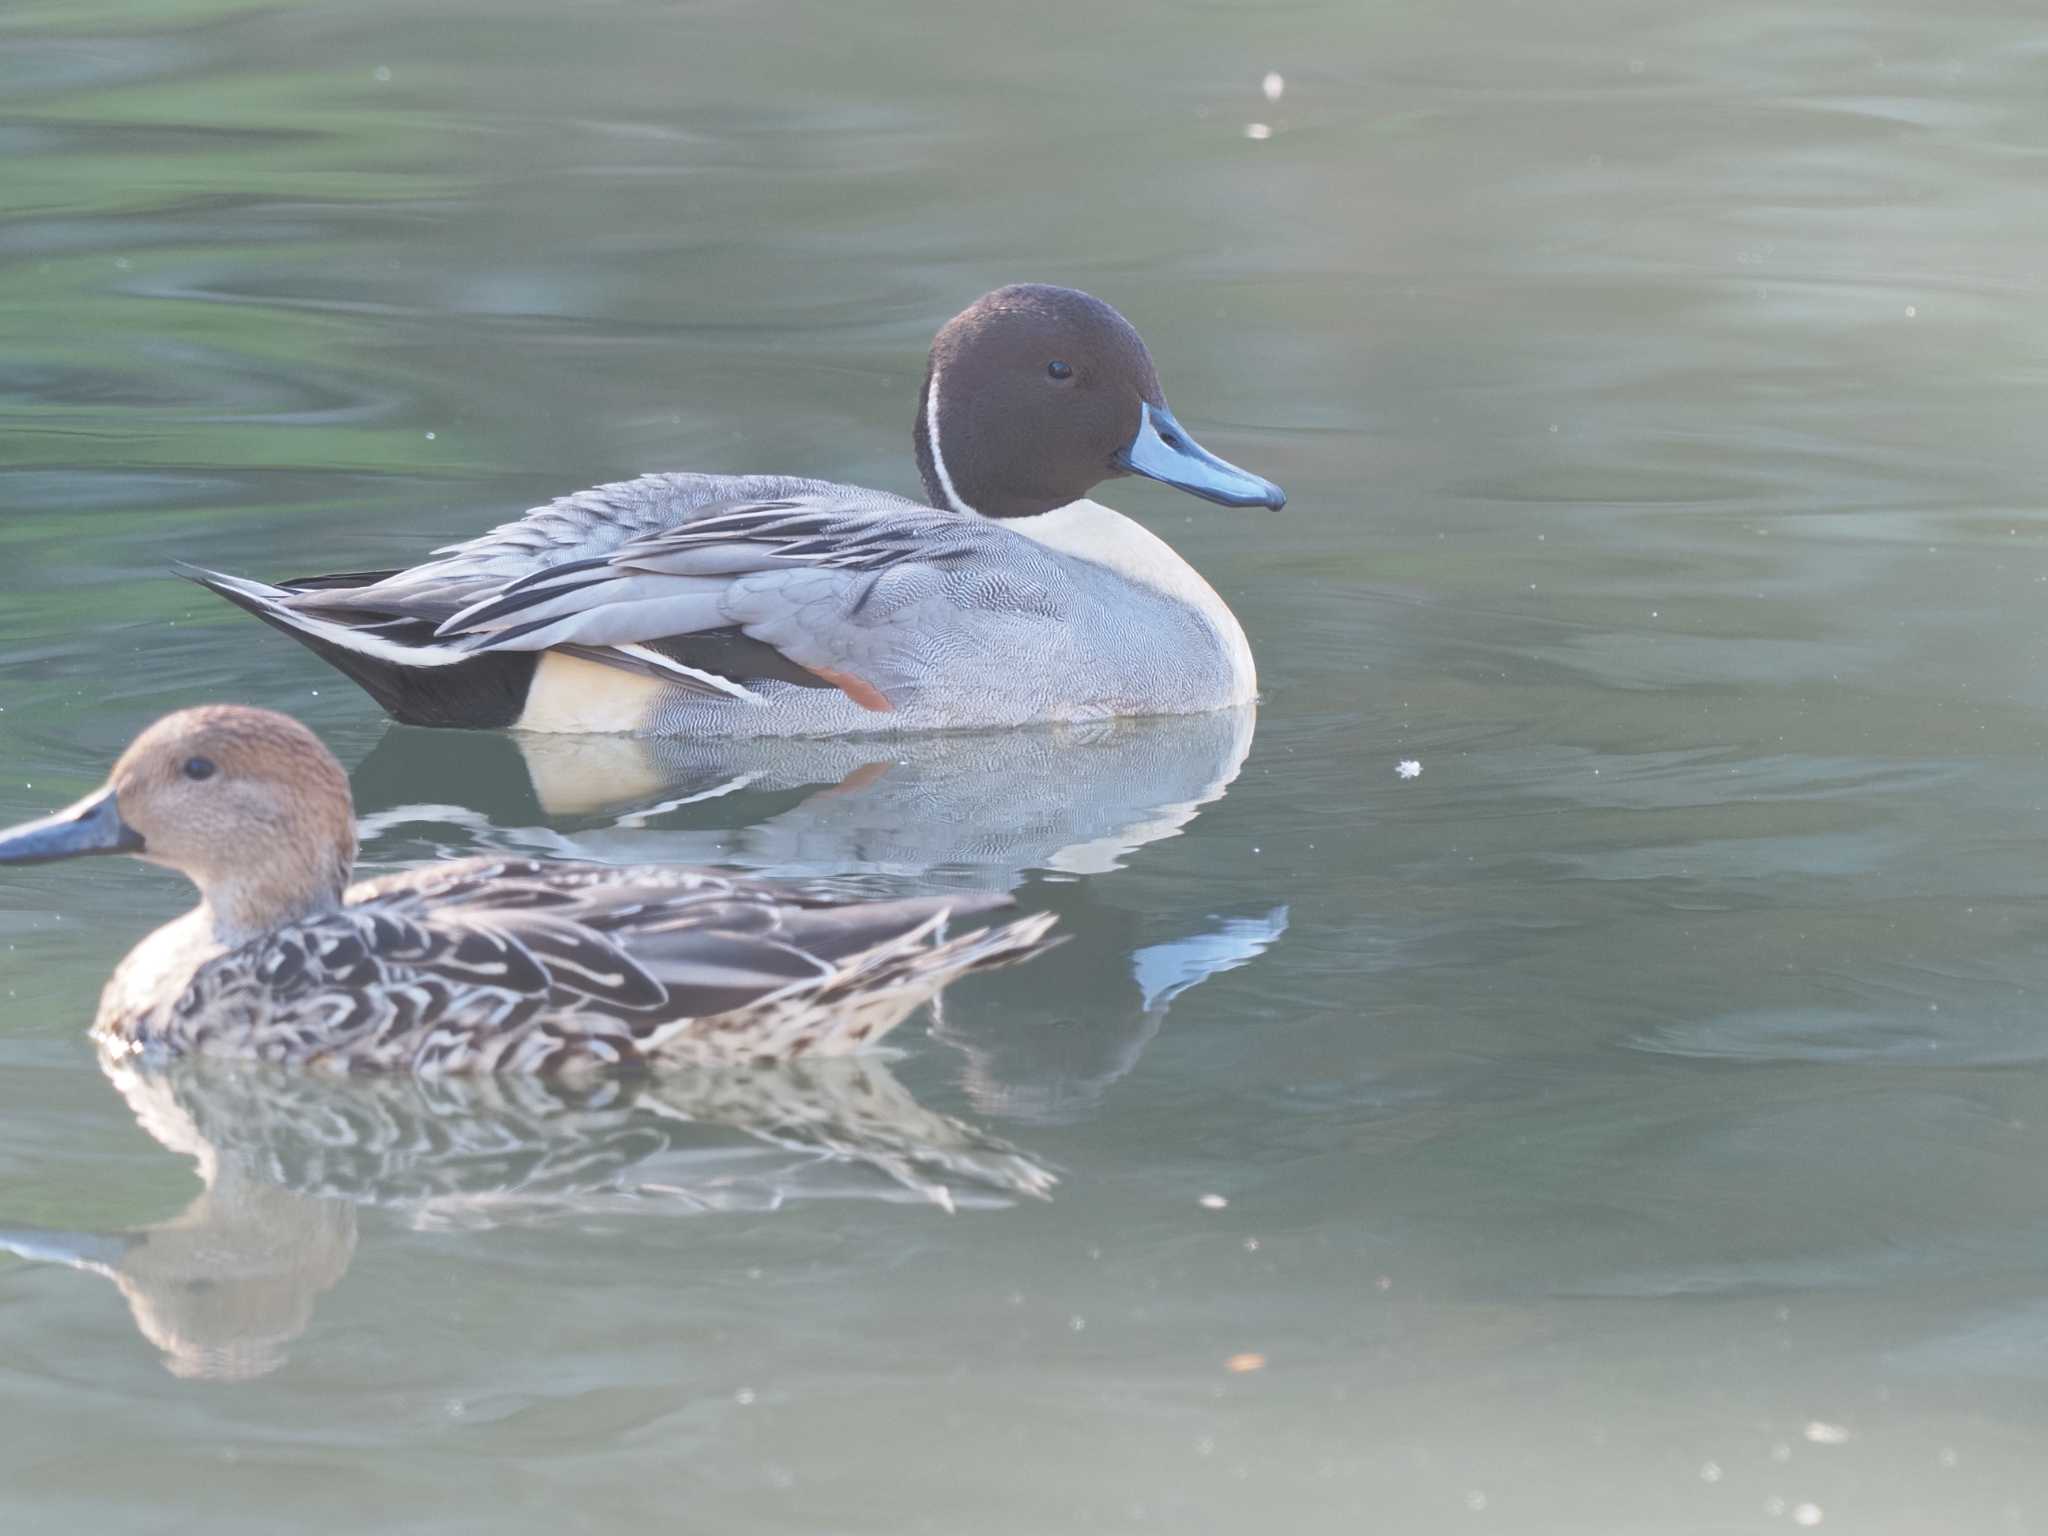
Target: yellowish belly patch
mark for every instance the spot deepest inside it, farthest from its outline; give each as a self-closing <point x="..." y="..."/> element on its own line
<point x="571" y="694"/>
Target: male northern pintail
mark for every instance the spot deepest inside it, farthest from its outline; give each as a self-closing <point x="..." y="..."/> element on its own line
<point x="479" y="965"/>
<point x="746" y="605"/>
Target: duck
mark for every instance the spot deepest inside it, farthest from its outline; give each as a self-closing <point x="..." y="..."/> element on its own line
<point x="682" y="604"/>
<point x="476" y="965"/>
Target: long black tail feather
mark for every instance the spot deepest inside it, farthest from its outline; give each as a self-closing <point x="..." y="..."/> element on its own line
<point x="480" y="692"/>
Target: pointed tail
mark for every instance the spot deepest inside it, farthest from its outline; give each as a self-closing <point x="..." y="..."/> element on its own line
<point x="396" y="661"/>
<point x="875" y="991"/>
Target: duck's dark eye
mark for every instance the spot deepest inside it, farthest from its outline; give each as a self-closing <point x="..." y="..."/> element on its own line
<point x="1058" y="370"/>
<point x="198" y="768"/>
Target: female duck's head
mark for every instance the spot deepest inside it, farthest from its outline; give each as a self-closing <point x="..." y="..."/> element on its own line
<point x="1035" y="395"/>
<point x="246" y="804"/>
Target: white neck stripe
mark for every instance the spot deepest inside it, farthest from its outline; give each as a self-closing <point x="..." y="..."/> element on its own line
<point x="931" y="437"/>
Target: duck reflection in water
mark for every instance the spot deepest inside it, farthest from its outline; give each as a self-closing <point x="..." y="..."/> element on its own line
<point x="1063" y="806"/>
<point x="965" y="809"/>
<point x="287" y="1158"/>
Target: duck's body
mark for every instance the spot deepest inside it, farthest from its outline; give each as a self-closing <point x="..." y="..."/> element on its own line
<point x="478" y="965"/>
<point x="770" y="606"/>
<point x="680" y="604"/>
<point x="485" y="965"/>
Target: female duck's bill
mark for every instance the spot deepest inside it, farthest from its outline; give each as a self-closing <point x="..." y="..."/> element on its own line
<point x="93" y="825"/>
<point x="475" y="965"/>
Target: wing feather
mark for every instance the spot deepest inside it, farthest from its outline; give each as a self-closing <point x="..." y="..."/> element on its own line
<point x="737" y="580"/>
<point x="511" y="964"/>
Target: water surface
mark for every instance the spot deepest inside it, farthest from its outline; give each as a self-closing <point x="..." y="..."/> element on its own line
<point x="1633" y="1123"/>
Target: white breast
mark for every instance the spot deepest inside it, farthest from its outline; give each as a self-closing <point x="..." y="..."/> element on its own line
<point x="1087" y="530"/>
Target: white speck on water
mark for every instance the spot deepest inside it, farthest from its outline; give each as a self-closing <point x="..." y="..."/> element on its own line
<point x="381" y="74"/>
<point x="744" y="1397"/>
<point x="1947" y="1458"/>
<point x="1274" y="86"/>
<point x="430" y="437"/>
<point x="1806" y="1514"/>
<point x="1821" y="1433"/>
<point x="1212" y="1202"/>
<point x="122" y="263"/>
<point x="1781" y="1453"/>
<point x="1251" y="1245"/>
<point x="1710" y="1472"/>
<point x="1475" y="1501"/>
<point x="1774" y="1505"/>
<point x="1077" y="1322"/>
<point x="1258" y="131"/>
<point x="1408" y="768"/>
<point x="1912" y="311"/>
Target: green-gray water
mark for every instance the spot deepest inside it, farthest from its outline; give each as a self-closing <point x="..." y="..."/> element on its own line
<point x="1637" y="1122"/>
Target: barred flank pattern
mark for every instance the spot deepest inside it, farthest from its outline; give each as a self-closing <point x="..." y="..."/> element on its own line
<point x="491" y="965"/>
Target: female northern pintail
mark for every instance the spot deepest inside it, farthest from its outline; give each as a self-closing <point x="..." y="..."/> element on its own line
<point x="480" y="965"/>
<point x="682" y="604"/>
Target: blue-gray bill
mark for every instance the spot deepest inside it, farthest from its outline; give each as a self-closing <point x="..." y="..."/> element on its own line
<point x="1164" y="451"/>
<point x="53" y="1245"/>
<point x="94" y="825"/>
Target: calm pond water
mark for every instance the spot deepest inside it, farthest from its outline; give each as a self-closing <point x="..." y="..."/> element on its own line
<point x="1637" y="1122"/>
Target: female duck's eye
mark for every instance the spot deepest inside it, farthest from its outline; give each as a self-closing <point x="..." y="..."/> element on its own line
<point x="197" y="768"/>
<point x="1058" y="370"/>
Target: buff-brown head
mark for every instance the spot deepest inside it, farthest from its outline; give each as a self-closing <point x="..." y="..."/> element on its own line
<point x="245" y="803"/>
